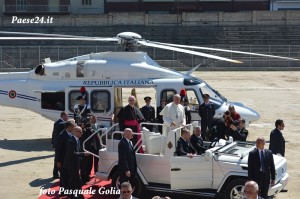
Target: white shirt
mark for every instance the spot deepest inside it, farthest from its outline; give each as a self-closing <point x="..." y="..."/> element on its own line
<point x="173" y="113"/>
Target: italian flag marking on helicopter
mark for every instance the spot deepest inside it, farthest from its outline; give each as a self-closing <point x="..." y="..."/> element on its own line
<point x="12" y="94"/>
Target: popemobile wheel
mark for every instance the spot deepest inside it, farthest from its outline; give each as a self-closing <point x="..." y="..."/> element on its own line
<point x="235" y="189"/>
<point x="138" y="190"/>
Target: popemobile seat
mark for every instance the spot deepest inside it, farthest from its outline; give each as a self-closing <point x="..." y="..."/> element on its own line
<point x="153" y="141"/>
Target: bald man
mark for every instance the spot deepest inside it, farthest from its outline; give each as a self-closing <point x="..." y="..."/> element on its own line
<point x="251" y="190"/>
<point x="173" y="115"/>
<point x="130" y="117"/>
<point x="261" y="167"/>
<point x="127" y="160"/>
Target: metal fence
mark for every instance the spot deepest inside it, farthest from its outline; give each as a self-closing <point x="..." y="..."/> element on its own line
<point x="31" y="56"/>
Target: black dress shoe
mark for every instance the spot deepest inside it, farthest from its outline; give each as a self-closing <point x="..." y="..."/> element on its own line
<point x="55" y="177"/>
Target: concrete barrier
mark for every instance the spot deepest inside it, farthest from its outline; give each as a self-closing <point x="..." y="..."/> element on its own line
<point x="249" y="18"/>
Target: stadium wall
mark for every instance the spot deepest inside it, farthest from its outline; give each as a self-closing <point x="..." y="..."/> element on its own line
<point x="251" y="18"/>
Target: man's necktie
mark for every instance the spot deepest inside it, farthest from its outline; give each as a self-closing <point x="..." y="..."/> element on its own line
<point x="262" y="161"/>
<point x="78" y="145"/>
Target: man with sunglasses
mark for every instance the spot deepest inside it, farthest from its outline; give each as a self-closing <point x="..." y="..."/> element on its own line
<point x="126" y="191"/>
<point x="72" y="162"/>
<point x="277" y="142"/>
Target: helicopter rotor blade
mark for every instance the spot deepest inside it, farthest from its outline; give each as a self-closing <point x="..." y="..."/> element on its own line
<point x="224" y="50"/>
<point x="155" y="45"/>
<point x="45" y="35"/>
<point x="62" y="38"/>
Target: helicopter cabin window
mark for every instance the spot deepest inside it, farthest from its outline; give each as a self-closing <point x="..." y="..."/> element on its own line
<point x="86" y="2"/>
<point x="72" y="99"/>
<point x="168" y="94"/>
<point x="100" y="101"/>
<point x="53" y="101"/>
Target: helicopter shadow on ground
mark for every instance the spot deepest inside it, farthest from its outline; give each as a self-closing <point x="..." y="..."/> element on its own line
<point x="27" y="145"/>
<point x="20" y="161"/>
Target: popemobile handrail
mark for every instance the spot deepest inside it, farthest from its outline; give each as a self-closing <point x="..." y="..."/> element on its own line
<point x="149" y="123"/>
<point x="108" y="130"/>
<point x="96" y="132"/>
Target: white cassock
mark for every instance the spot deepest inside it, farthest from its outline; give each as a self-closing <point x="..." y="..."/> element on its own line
<point x="172" y="113"/>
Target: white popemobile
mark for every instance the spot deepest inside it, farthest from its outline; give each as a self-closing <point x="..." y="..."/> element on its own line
<point x="221" y="170"/>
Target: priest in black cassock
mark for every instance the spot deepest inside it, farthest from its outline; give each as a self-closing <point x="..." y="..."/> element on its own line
<point x="130" y="117"/>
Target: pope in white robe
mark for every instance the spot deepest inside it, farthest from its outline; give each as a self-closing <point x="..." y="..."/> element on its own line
<point x="173" y="115"/>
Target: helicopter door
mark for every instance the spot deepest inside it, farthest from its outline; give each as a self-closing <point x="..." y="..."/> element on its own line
<point x="122" y="94"/>
<point x="193" y="104"/>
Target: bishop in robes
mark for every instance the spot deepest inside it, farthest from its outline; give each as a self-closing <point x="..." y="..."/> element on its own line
<point x="173" y="115"/>
<point x="130" y="117"/>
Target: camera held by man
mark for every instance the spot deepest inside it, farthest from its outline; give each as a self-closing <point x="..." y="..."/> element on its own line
<point x="237" y="130"/>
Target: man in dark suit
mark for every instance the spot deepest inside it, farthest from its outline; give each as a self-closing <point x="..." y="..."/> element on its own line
<point x="61" y="150"/>
<point x="72" y="162"/>
<point x="127" y="161"/>
<point x="277" y="142"/>
<point x="261" y="167"/>
<point x="251" y="190"/>
<point x="238" y="133"/>
<point x="197" y="141"/>
<point x="206" y="112"/>
<point x="58" y="127"/>
<point x="184" y="147"/>
<point x="148" y="112"/>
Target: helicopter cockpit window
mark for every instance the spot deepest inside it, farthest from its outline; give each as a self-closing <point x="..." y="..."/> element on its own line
<point x="100" y="101"/>
<point x="72" y="99"/>
<point x="168" y="94"/>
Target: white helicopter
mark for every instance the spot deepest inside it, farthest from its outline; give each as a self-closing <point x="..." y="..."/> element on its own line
<point x="53" y="87"/>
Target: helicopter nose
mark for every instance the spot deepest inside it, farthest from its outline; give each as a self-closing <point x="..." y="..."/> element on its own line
<point x="252" y="115"/>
